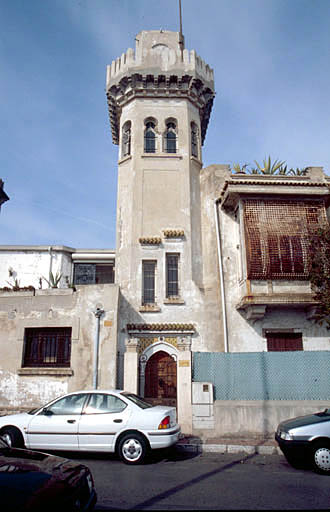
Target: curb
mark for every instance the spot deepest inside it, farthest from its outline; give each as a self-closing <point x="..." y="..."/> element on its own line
<point x="248" y="449"/>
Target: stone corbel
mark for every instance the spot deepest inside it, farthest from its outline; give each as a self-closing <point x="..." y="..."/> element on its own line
<point x="132" y="345"/>
<point x="184" y="343"/>
<point x="255" y="312"/>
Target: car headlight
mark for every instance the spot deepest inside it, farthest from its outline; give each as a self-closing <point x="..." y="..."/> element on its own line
<point x="286" y="436"/>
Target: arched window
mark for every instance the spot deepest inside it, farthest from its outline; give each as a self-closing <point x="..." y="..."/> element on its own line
<point x="126" y="139"/>
<point x="170" y="137"/>
<point x="150" y="137"/>
<point x="194" y="139"/>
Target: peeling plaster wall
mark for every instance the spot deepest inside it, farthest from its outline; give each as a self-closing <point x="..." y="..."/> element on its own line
<point x="24" y="388"/>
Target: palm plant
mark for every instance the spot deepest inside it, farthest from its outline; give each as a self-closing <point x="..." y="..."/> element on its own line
<point x="269" y="167"/>
<point x="298" y="171"/>
<point x="53" y="280"/>
<point x="240" y="169"/>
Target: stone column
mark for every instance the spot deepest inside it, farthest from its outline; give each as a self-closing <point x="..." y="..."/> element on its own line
<point x="131" y="365"/>
<point x="184" y="405"/>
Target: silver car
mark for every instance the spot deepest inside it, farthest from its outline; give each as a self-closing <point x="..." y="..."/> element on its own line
<point x="306" y="439"/>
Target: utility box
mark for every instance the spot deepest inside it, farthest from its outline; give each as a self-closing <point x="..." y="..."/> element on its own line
<point x="202" y="399"/>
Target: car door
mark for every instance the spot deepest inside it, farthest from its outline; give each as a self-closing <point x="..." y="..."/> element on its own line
<point x="103" y="417"/>
<point x="56" y="426"/>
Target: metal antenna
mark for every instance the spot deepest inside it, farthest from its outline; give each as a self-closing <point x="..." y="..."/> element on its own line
<point x="181" y="40"/>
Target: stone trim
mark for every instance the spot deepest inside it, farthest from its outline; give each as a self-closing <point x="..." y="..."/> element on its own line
<point x="56" y="372"/>
<point x="176" y="300"/>
<point x="186" y="328"/>
<point x="173" y="233"/>
<point x="152" y="240"/>
<point x="149" y="308"/>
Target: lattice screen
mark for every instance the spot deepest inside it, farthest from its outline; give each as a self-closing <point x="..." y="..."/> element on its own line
<point x="277" y="236"/>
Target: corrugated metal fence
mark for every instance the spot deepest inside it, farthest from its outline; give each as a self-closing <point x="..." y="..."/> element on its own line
<point x="265" y="375"/>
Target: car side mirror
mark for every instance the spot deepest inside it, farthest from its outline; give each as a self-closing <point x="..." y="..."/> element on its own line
<point x="47" y="412"/>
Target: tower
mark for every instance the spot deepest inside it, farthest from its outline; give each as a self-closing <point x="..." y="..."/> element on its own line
<point x="160" y="99"/>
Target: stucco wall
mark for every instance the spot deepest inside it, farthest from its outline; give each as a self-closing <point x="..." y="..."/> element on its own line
<point x="23" y="388"/>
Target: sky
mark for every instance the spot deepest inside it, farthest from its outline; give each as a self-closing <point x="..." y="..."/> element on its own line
<point x="271" y="60"/>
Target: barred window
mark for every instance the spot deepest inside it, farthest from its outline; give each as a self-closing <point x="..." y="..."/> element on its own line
<point x="284" y="341"/>
<point x="172" y="275"/>
<point x="47" y="347"/>
<point x="93" y="273"/>
<point x="277" y="235"/>
<point x="148" y="282"/>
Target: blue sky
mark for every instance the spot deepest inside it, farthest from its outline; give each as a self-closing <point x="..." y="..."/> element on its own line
<point x="272" y="74"/>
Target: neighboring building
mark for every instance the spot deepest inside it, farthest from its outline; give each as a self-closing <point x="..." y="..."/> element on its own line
<point x="210" y="271"/>
<point x="3" y="195"/>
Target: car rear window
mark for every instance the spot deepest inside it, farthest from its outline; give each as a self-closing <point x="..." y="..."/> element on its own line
<point x="137" y="400"/>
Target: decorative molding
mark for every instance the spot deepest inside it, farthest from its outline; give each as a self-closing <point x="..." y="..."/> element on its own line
<point x="187" y="328"/>
<point x="173" y="233"/>
<point x="149" y="308"/>
<point x="152" y="240"/>
<point x="174" y="300"/>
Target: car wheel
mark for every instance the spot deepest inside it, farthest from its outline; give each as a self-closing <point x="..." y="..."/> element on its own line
<point x="132" y="448"/>
<point x="321" y="457"/>
<point x="13" y="437"/>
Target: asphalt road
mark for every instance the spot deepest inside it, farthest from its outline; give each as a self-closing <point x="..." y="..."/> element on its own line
<point x="179" y="481"/>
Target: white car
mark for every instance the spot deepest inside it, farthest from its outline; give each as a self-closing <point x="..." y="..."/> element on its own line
<point x="98" y="420"/>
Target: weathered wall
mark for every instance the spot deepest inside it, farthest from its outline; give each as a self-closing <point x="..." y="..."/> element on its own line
<point x="246" y="419"/>
<point x="23" y="388"/>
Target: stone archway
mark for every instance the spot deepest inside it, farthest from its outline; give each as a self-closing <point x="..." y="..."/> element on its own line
<point x="161" y="379"/>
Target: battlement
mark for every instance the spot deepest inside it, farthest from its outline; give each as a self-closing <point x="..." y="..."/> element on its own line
<point x="159" y="52"/>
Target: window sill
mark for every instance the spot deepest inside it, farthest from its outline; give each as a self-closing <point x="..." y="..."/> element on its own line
<point x="149" y="308"/>
<point x="124" y="159"/>
<point x="174" y="300"/>
<point x="162" y="155"/>
<point x="57" y="372"/>
<point x="197" y="160"/>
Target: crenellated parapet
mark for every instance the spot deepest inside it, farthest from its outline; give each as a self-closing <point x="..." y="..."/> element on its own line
<point x="158" y="68"/>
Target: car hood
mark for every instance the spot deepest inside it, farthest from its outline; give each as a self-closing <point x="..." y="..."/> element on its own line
<point x="302" y="421"/>
<point x="15" y="419"/>
<point x="30" y="479"/>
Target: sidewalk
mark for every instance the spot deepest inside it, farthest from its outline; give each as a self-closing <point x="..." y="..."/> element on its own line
<point x="228" y="445"/>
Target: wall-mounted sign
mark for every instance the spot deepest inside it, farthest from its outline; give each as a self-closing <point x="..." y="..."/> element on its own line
<point x="184" y="363"/>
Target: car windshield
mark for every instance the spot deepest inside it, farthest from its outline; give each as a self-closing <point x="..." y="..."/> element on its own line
<point x="137" y="400"/>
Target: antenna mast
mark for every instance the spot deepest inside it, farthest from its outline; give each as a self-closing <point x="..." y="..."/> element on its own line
<point x="181" y="40"/>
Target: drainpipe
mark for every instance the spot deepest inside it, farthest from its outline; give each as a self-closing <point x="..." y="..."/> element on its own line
<point x="98" y="313"/>
<point x="50" y="260"/>
<point x="222" y="286"/>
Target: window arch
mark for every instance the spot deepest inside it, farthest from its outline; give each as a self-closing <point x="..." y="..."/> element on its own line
<point x="150" y="136"/>
<point x="170" y="136"/>
<point x="194" y="139"/>
<point x="126" y="139"/>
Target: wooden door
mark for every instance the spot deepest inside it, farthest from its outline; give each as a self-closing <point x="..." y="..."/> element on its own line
<point x="160" y="379"/>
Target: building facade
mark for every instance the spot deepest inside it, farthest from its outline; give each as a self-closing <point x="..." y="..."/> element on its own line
<point x="210" y="270"/>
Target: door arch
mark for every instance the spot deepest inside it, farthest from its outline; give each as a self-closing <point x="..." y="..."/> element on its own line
<point x="161" y="379"/>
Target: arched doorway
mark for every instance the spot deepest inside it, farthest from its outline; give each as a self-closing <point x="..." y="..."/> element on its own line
<point x="161" y="379"/>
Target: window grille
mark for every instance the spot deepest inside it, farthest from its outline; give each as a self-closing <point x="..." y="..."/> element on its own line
<point x="284" y="341"/>
<point x="170" y="138"/>
<point x="150" y="138"/>
<point x="277" y="235"/>
<point x="93" y="273"/>
<point x="148" y="285"/>
<point x="172" y="275"/>
<point x="47" y="347"/>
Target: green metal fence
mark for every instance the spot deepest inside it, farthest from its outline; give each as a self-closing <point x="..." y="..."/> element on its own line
<point x="265" y="375"/>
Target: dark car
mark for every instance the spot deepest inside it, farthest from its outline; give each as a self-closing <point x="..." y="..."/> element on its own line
<point x="35" y="481"/>
<point x="306" y="439"/>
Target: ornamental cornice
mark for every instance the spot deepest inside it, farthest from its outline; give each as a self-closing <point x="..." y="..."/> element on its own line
<point x="159" y="86"/>
<point x="160" y="327"/>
